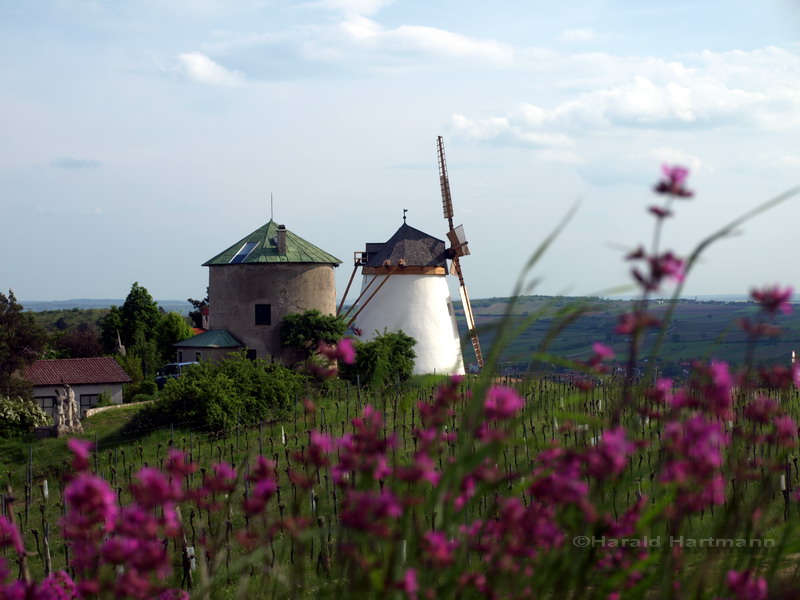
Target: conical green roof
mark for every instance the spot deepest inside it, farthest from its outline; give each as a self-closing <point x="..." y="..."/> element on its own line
<point x="261" y="246"/>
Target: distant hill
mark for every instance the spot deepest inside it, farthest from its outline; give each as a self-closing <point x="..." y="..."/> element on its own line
<point x="700" y="328"/>
<point x="181" y="306"/>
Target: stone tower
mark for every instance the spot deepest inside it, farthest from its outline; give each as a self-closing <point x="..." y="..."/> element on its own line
<point x="260" y="279"/>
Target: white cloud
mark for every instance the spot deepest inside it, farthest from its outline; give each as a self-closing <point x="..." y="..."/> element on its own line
<point x="505" y="131"/>
<point x="354" y="7"/>
<point x="357" y="42"/>
<point x="581" y="36"/>
<point x="708" y="90"/>
<point x="438" y="42"/>
<point x="198" y="67"/>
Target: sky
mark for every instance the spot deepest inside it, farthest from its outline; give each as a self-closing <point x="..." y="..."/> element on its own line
<point x="138" y="139"/>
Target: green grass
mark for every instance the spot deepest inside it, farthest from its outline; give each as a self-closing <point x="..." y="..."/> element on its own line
<point x="119" y="459"/>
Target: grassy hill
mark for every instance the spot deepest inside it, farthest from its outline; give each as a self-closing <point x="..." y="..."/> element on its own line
<point x="698" y="329"/>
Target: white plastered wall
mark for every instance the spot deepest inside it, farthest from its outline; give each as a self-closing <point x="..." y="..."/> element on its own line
<point x="421" y="306"/>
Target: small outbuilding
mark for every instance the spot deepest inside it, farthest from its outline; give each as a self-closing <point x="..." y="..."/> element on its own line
<point x="88" y="378"/>
<point x="209" y="345"/>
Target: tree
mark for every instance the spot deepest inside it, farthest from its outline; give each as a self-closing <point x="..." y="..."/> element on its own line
<point x="79" y="343"/>
<point x="21" y="342"/>
<point x="140" y="315"/>
<point x="111" y="330"/>
<point x="196" y="315"/>
<point x="386" y="359"/>
<point x="138" y="324"/>
<point x="304" y="331"/>
<point x="173" y="328"/>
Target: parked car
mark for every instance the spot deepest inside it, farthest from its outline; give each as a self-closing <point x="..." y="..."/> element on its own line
<point x="171" y="371"/>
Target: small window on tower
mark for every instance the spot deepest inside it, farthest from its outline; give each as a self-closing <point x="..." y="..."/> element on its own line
<point x="263" y="314"/>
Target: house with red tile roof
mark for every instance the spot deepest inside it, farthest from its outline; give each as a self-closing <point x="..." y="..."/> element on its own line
<point x="88" y="378"/>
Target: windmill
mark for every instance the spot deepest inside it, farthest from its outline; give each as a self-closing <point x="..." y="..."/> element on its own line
<point x="458" y="248"/>
<point x="404" y="288"/>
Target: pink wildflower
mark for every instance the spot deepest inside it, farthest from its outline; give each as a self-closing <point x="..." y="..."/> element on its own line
<point x="610" y="456"/>
<point x="662" y="391"/>
<point x="10" y="536"/>
<point x="409" y="584"/>
<point x="502" y="403"/>
<point x="224" y="478"/>
<point x="694" y="457"/>
<point x="372" y="512"/>
<point x="659" y="212"/>
<point x="761" y="410"/>
<point x="93" y="502"/>
<point x="602" y="351"/>
<point x="786" y="430"/>
<point x="344" y="350"/>
<point x="674" y="182"/>
<point x="319" y="447"/>
<point x="423" y="469"/>
<point x="80" y="449"/>
<point x="177" y="465"/>
<point x="154" y="489"/>
<point x="746" y="586"/>
<point x="773" y="299"/>
<point x="636" y="322"/>
<point x="438" y="549"/>
<point x="662" y="267"/>
<point x="57" y="586"/>
<point x="347" y="351"/>
<point x="364" y="450"/>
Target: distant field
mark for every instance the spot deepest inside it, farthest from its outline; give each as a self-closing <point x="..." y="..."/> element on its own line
<point x="180" y="306"/>
<point x="699" y="329"/>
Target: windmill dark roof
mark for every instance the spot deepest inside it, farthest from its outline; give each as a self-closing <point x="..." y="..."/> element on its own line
<point x="414" y="247"/>
<point x="261" y="246"/>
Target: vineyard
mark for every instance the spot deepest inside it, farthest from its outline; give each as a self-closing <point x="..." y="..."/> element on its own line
<point x="462" y="496"/>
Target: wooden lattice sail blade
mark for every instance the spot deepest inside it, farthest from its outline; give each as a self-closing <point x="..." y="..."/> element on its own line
<point x="444" y="182"/>
<point x="470" y="318"/>
<point x="458" y="241"/>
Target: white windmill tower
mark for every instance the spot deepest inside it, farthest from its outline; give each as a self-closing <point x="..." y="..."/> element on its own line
<point x="404" y="287"/>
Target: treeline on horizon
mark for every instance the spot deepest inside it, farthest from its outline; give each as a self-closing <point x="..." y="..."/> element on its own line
<point x="699" y="329"/>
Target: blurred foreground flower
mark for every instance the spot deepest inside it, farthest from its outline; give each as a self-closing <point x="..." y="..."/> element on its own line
<point x="674" y="182"/>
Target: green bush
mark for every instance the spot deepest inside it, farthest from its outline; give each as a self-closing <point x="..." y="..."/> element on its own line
<point x="148" y="387"/>
<point x="19" y="416"/>
<point x="138" y="398"/>
<point x="215" y="396"/>
<point x="385" y="360"/>
<point x="303" y="332"/>
<point x="104" y="399"/>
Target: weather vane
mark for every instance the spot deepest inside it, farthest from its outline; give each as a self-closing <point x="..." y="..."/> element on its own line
<point x="405" y="210"/>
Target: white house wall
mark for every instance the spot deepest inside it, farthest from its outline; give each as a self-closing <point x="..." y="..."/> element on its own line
<point x="43" y="392"/>
<point x="420" y="306"/>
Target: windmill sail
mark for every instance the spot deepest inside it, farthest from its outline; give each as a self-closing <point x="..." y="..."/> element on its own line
<point x="458" y="248"/>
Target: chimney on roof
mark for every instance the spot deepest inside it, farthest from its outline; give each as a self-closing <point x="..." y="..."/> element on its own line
<point x="281" y="239"/>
